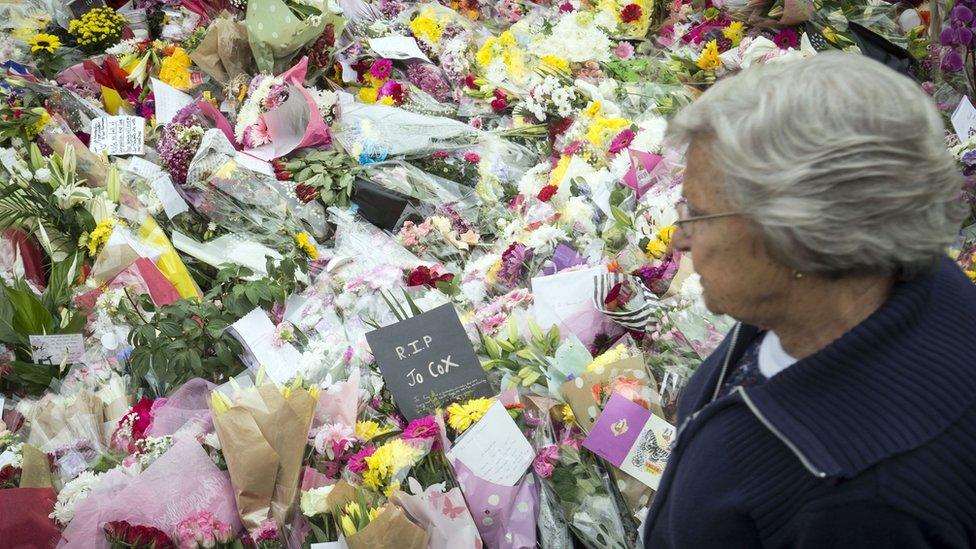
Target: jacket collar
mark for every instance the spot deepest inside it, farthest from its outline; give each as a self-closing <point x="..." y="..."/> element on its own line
<point x="889" y="385"/>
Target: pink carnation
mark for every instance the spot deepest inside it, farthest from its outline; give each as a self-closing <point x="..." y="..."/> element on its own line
<point x="545" y="461"/>
<point x="472" y="157"/>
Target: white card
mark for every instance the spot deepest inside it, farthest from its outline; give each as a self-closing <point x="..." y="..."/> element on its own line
<point x="144" y="168"/>
<point x="562" y="296"/>
<point x="255" y="331"/>
<point x="57" y="349"/>
<point x="397" y="47"/>
<point x="118" y="135"/>
<point x="341" y="544"/>
<point x="254" y="164"/>
<point x="169" y="101"/>
<point x="494" y="448"/>
<point x="964" y="119"/>
<point x="173" y="203"/>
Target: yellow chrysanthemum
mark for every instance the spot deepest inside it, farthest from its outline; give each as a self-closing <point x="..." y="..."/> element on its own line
<point x="386" y="100"/>
<point x="368" y="95"/>
<point x="491" y="276"/>
<point x="555" y="62"/>
<point x="304" y="243"/>
<point x="461" y="416"/>
<point x="100" y="235"/>
<point x="175" y="69"/>
<point x="709" y="59"/>
<point x="602" y="130"/>
<point x="972" y="275"/>
<point x="427" y="27"/>
<point x="368" y="430"/>
<point x="593" y="109"/>
<point x="507" y="39"/>
<point x="44" y="42"/>
<point x="734" y="32"/>
<point x="614" y="354"/>
<point x="486" y="52"/>
<point x="657" y="247"/>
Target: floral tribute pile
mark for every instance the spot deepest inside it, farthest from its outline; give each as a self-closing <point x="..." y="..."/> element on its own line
<point x="207" y="206"/>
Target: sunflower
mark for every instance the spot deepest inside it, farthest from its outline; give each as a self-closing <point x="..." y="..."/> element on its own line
<point x="44" y="42"/>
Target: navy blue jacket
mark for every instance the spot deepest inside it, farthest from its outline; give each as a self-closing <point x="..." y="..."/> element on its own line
<point x="870" y="442"/>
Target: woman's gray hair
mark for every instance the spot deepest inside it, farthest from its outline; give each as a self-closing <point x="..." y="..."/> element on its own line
<point x="840" y="160"/>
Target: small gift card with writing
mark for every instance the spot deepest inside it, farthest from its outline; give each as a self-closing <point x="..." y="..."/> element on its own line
<point x="632" y="439"/>
<point x="428" y="362"/>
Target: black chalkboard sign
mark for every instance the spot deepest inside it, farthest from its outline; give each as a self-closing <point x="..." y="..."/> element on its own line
<point x="428" y="362"/>
<point x="81" y="7"/>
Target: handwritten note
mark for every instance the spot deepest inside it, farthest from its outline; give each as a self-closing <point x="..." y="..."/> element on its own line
<point x="57" y="349"/>
<point x="964" y="119"/>
<point x="494" y="448"/>
<point x="428" y="361"/>
<point x="118" y="135"/>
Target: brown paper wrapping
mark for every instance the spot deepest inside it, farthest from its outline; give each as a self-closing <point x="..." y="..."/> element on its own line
<point x="685" y="269"/>
<point x="36" y="470"/>
<point x="264" y="441"/>
<point x="579" y="394"/>
<point x="341" y="494"/>
<point x="391" y="528"/>
<point x="224" y="52"/>
<point x="54" y="425"/>
<point x="251" y="462"/>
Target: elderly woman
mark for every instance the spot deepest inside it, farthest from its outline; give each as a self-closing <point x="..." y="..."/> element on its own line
<point x="841" y="410"/>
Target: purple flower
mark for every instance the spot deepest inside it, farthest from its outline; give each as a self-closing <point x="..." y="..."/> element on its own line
<point x="513" y="260"/>
<point x="952" y="61"/>
<point x="357" y="463"/>
<point x="428" y="78"/>
<point x="962" y="14"/>
<point x="786" y="38"/>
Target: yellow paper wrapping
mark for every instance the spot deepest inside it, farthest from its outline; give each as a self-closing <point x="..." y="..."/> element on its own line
<point x="169" y="263"/>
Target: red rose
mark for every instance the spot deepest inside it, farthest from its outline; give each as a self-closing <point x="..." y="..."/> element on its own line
<point x="471" y="157"/>
<point x="631" y="13"/>
<point x="446" y="277"/>
<point x="306" y="193"/>
<point x="499" y="104"/>
<point x="138" y="536"/>
<point x="143" y="420"/>
<point x="419" y="277"/>
<point x="440" y="155"/>
<point x="547" y="192"/>
<point x="469" y="82"/>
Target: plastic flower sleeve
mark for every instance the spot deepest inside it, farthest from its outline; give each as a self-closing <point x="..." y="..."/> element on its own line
<point x="188" y="408"/>
<point x="181" y="482"/>
<point x="276" y="34"/>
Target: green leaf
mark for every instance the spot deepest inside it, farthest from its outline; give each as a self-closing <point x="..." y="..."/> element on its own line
<point x="620" y="217"/>
<point x="30" y="315"/>
<point x="414" y="309"/>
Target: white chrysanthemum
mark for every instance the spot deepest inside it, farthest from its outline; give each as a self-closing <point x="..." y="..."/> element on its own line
<point x="576" y="38"/>
<point x="73" y="492"/>
<point x="650" y="135"/>
<point x="546" y="235"/>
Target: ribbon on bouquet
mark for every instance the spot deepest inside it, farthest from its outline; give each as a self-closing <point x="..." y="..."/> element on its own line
<point x="640" y="310"/>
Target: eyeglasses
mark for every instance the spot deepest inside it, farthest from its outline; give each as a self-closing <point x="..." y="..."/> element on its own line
<point x="686" y="220"/>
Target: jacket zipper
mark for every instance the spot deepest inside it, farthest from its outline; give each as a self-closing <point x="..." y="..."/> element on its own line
<point x="721" y="379"/>
<point x="728" y="359"/>
<point x="789" y="444"/>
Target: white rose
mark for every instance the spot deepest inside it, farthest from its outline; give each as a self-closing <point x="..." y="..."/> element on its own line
<point x="316" y="501"/>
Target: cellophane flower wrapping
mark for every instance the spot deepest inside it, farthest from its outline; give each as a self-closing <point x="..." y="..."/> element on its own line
<point x="183" y="481"/>
<point x="442" y="513"/>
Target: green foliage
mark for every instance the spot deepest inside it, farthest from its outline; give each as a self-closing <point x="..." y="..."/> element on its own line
<point x="527" y="362"/>
<point x="330" y="172"/>
<point x="189" y="338"/>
